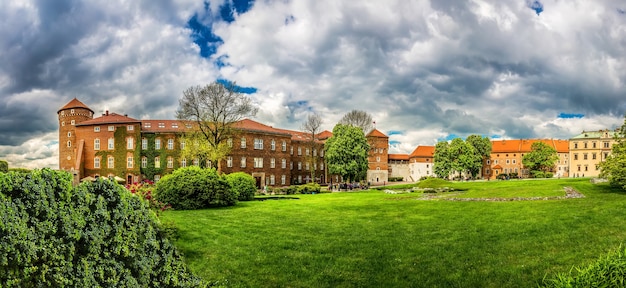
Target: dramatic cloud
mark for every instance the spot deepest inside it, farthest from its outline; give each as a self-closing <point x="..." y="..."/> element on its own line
<point x="425" y="70"/>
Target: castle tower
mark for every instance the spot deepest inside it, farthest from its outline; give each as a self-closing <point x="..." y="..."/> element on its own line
<point x="71" y="114"/>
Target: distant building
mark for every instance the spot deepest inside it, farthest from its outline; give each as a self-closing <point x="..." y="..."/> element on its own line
<point x="399" y="166"/>
<point x="506" y="158"/>
<point x="421" y="163"/>
<point x="378" y="172"/>
<point x="588" y="149"/>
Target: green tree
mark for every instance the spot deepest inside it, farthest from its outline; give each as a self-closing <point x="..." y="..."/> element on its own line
<point x="482" y="146"/>
<point x="4" y="166"/>
<point x="614" y="167"/>
<point x="347" y="152"/>
<point x="463" y="156"/>
<point x="442" y="166"/>
<point x="214" y="110"/>
<point x="540" y="159"/>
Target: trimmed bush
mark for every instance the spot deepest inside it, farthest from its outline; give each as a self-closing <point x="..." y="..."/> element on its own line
<point x="309" y="188"/>
<point x="194" y="188"/>
<point x="243" y="185"/>
<point x="607" y="271"/>
<point x="97" y="234"/>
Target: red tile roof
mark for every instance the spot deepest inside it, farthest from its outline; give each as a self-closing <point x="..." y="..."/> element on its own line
<point x="109" y="118"/>
<point x="423" y="151"/>
<point x="74" y="104"/>
<point x="524" y="145"/>
<point x="325" y="135"/>
<point x="251" y="125"/>
<point x="399" y="157"/>
<point x="376" y="133"/>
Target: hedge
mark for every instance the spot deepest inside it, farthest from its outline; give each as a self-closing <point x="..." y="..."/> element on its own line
<point x="93" y="235"/>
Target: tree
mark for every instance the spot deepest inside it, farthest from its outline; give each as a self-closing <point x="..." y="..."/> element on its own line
<point x="347" y="152"/>
<point x="463" y="156"/>
<point x="4" y="166"/>
<point x="482" y="146"/>
<point x="442" y="166"/>
<point x="359" y="119"/>
<point x="614" y="167"/>
<point x="213" y="109"/>
<point x="541" y="158"/>
<point x="312" y="126"/>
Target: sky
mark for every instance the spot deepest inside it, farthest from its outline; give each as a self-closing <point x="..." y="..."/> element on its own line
<point x="426" y="71"/>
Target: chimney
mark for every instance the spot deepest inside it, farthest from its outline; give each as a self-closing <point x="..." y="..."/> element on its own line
<point x="107" y="112"/>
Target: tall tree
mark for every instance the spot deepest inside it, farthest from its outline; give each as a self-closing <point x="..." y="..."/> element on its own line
<point x="312" y="127"/>
<point x="482" y="146"/>
<point x="614" y="167"/>
<point x="359" y="119"/>
<point x="541" y="158"/>
<point x="4" y="166"/>
<point x="442" y="165"/>
<point x="214" y="109"/>
<point x="346" y="152"/>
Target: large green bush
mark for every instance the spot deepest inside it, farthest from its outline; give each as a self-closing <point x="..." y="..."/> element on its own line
<point x="194" y="188"/>
<point x="4" y="166"/>
<point x="607" y="271"/>
<point x="97" y="234"/>
<point x="243" y="185"/>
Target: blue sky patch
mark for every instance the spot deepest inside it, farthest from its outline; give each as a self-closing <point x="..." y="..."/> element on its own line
<point x="394" y="132"/>
<point x="570" y="115"/>
<point x="535" y="5"/>
<point x="394" y="142"/>
<point x="244" y="90"/>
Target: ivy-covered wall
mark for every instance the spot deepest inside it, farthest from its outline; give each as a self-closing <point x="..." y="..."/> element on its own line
<point x="119" y="154"/>
<point x="150" y="170"/>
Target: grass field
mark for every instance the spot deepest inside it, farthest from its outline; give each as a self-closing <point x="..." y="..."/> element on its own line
<point x="373" y="239"/>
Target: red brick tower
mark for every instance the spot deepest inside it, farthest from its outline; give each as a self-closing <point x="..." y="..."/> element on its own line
<point x="71" y="114"/>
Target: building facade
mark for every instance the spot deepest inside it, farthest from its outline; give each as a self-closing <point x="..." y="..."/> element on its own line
<point x="378" y="158"/>
<point x="506" y="158"/>
<point x="421" y="162"/>
<point x="588" y="149"/>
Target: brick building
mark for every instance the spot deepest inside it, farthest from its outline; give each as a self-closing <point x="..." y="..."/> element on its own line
<point x="114" y="145"/>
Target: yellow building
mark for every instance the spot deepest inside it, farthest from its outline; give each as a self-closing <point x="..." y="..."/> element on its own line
<point x="587" y="150"/>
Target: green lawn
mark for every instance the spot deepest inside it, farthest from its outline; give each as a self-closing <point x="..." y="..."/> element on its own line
<point x="373" y="239"/>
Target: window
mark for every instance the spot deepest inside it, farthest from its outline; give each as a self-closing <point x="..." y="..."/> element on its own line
<point x="258" y="162"/>
<point x="284" y="145"/>
<point x="144" y="162"/>
<point x="161" y="125"/>
<point x="183" y="163"/>
<point x="272" y="163"/>
<point x="585" y="156"/>
<point x="243" y="162"/>
<point x="299" y="151"/>
<point x="593" y="156"/>
<point x="170" y="162"/>
<point x="209" y="164"/>
<point x="69" y="134"/>
<point x="144" y="144"/>
<point x="507" y="161"/>
<point x="229" y="142"/>
<point x="130" y="127"/>
<point x="291" y="165"/>
<point x="129" y="162"/>
<point x="299" y="178"/>
<point x="273" y="145"/>
<point x="322" y="166"/>
<point x="157" y="162"/>
<point x="306" y="152"/>
<point x="586" y="168"/>
<point x="585" y="145"/>
<point x="96" y="162"/>
<point x="575" y="145"/>
<point x="129" y="143"/>
<point x="377" y="158"/>
<point x="73" y="122"/>
<point x="229" y="161"/>
<point x="606" y="144"/>
<point x="243" y="142"/>
<point x="299" y="165"/>
<point x="111" y="143"/>
<point x="594" y="144"/>
<point x="322" y="153"/>
<point x="72" y="111"/>
<point x="157" y="178"/>
<point x="110" y="162"/>
<point x="575" y="156"/>
<point x="182" y="144"/>
<point x="514" y="161"/>
<point x="283" y="179"/>
<point x="272" y="180"/>
<point x="488" y="162"/>
<point x="307" y="166"/>
<point x="111" y="128"/>
<point x="283" y="163"/>
<point x="157" y="144"/>
<point x="291" y="150"/>
<point x="170" y="144"/>
<point x="495" y="161"/>
<point x="147" y="125"/>
<point x="314" y="152"/>
<point x="258" y="143"/>
<point x="96" y="144"/>
<point x="195" y="162"/>
<point x="63" y="123"/>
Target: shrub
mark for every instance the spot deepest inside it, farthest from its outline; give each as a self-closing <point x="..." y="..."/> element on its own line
<point x="243" y="185"/>
<point x="309" y="188"/>
<point x="396" y="179"/>
<point x="4" y="166"/>
<point x="194" y="188"/>
<point x="607" y="271"/>
<point x="97" y="234"/>
<point x="143" y="190"/>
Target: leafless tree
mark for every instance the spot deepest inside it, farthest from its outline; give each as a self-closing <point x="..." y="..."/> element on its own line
<point x="312" y="127"/>
<point x="213" y="109"/>
<point x="359" y="119"/>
